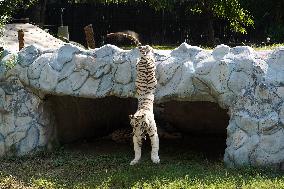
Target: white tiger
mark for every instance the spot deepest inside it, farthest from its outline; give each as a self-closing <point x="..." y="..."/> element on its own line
<point x="143" y="120"/>
<point x="146" y="80"/>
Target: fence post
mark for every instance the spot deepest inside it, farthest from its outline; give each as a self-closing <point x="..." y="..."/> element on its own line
<point x="21" y="39"/>
<point x="89" y="33"/>
<point x="63" y="33"/>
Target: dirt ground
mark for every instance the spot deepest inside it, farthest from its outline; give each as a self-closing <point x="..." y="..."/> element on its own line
<point x="210" y="146"/>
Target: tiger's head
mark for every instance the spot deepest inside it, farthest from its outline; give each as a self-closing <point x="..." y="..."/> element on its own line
<point x="146" y="50"/>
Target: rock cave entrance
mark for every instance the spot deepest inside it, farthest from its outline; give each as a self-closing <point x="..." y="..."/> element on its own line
<point x="202" y="124"/>
<point x="83" y="118"/>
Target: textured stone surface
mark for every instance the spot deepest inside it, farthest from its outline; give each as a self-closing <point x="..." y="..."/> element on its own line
<point x="21" y="119"/>
<point x="242" y="81"/>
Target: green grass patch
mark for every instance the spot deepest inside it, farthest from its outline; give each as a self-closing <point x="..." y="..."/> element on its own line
<point x="110" y="169"/>
<point x="171" y="47"/>
<point x="267" y="47"/>
<point x="165" y="47"/>
<point x="159" y="47"/>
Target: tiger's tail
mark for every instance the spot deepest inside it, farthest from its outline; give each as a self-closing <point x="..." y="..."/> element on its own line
<point x="130" y="37"/>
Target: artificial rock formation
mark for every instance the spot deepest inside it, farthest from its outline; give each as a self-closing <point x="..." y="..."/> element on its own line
<point x="249" y="84"/>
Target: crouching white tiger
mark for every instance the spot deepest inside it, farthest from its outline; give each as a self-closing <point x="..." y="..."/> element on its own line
<point x="143" y="122"/>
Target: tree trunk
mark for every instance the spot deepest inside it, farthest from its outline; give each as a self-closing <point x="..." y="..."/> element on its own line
<point x="210" y="32"/>
<point x="42" y="11"/>
<point x="209" y="22"/>
<point x="37" y="14"/>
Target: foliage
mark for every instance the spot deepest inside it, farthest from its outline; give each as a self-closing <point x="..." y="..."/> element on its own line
<point x="9" y="61"/>
<point x="275" y="32"/>
<point x="268" y="17"/>
<point x="234" y="13"/>
<point x="157" y="4"/>
<point x="7" y="7"/>
<point x="3" y="19"/>
<point x="230" y="10"/>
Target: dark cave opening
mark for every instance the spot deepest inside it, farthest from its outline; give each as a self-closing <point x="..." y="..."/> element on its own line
<point x="83" y="118"/>
<point x="202" y="124"/>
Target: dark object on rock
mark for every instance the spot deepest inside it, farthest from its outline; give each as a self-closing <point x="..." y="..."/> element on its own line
<point x="89" y="32"/>
<point x="21" y="39"/>
<point x="121" y="40"/>
<point x="20" y="20"/>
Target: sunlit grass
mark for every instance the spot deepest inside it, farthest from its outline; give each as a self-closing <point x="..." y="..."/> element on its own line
<point x="268" y="47"/>
<point x="171" y="47"/>
<point x="160" y="47"/>
<point x="92" y="169"/>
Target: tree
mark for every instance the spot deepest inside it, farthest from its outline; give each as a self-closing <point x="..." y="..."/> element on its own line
<point x="230" y="10"/>
<point x="236" y="16"/>
<point x="269" y="18"/>
<point x="37" y="12"/>
<point x="8" y="7"/>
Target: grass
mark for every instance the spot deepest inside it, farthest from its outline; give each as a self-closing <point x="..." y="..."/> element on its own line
<point x="106" y="165"/>
<point x="268" y="47"/>
<point x="160" y="47"/>
<point x="171" y="47"/>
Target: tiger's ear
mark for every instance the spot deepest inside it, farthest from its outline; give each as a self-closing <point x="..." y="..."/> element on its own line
<point x="130" y="116"/>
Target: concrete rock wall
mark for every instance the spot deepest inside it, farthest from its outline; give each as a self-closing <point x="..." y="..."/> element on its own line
<point x="249" y="84"/>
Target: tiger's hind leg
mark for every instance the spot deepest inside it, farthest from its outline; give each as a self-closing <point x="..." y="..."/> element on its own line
<point x="155" y="149"/>
<point x="153" y="134"/>
<point x="137" y="142"/>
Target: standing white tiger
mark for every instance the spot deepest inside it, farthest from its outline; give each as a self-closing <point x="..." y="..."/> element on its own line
<point x="143" y="120"/>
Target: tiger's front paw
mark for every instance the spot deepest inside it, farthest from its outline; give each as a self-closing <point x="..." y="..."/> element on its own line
<point x="155" y="160"/>
<point x="133" y="162"/>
